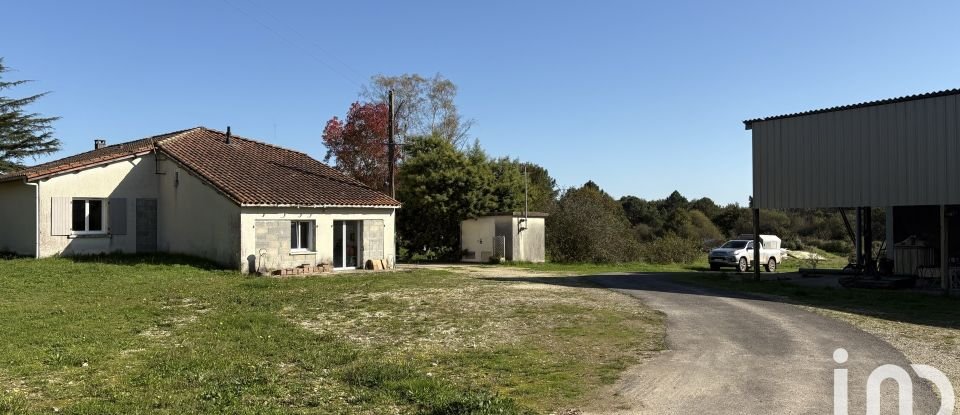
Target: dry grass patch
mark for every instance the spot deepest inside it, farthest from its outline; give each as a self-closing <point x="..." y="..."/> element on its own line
<point x="561" y="324"/>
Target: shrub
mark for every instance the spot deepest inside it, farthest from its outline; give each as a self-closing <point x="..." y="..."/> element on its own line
<point x="589" y="226"/>
<point x="671" y="249"/>
<point x="835" y="246"/>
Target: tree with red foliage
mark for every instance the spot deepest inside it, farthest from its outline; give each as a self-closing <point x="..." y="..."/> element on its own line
<point x="358" y="143"/>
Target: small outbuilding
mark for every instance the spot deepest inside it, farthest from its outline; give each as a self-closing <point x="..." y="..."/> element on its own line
<point x="512" y="236"/>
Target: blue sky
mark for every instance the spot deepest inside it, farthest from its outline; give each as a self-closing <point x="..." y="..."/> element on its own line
<point x="641" y="97"/>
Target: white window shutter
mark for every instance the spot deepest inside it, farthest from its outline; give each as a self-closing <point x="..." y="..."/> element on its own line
<point x="60" y="215"/>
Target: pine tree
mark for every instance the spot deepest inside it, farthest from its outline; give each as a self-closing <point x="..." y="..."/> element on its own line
<point x="22" y="134"/>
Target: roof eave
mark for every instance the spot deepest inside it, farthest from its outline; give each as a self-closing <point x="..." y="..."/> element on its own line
<point x="13" y="177"/>
<point x="946" y="92"/>
<point x="32" y="178"/>
<point x="322" y="206"/>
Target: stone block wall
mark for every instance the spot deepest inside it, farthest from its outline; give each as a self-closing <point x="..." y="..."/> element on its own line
<point x="273" y="247"/>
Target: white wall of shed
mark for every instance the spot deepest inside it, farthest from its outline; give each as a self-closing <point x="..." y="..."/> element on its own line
<point x="530" y="243"/>
<point x="477" y="235"/>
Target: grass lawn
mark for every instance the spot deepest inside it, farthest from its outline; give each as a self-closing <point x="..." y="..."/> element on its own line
<point x="924" y="327"/>
<point x="169" y="335"/>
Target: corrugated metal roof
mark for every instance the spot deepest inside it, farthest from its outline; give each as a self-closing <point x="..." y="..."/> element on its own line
<point x="749" y="123"/>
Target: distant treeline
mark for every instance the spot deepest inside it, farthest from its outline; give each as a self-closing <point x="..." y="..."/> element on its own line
<point x="588" y="225"/>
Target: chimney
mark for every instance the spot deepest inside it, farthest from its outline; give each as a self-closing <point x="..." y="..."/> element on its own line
<point x="228" y="135"/>
<point x="99" y="143"/>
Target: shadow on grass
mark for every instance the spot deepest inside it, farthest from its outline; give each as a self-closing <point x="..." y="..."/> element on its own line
<point x="149" y="259"/>
<point x="11" y="255"/>
<point x="901" y="306"/>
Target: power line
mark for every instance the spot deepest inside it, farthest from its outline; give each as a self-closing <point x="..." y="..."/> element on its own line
<point x="309" y="52"/>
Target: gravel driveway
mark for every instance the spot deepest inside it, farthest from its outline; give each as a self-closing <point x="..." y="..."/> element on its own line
<point x="734" y="354"/>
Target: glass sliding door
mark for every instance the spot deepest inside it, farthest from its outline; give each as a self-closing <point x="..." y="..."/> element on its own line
<point x="346" y="245"/>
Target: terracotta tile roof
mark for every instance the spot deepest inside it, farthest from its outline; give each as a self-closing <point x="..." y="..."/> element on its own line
<point x="88" y="159"/>
<point x="255" y="173"/>
<point x="247" y="171"/>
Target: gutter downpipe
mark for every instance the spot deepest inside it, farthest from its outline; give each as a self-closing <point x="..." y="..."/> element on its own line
<point x="36" y="217"/>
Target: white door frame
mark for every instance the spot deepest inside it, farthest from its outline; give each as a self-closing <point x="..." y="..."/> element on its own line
<point x="343" y="242"/>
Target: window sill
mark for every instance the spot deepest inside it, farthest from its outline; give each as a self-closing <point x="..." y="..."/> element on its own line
<point x="304" y="252"/>
<point x="88" y="235"/>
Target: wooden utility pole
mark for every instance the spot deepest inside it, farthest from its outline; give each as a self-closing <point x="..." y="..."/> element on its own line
<point x="391" y="146"/>
<point x="944" y="250"/>
<point x="858" y="244"/>
<point x="756" y="243"/>
<point x="391" y="163"/>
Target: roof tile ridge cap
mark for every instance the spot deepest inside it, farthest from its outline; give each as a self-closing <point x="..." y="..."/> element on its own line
<point x="176" y="135"/>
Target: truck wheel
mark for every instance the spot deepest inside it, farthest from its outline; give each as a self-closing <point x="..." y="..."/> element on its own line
<point x="742" y="265"/>
<point x="714" y="267"/>
<point x="771" y="265"/>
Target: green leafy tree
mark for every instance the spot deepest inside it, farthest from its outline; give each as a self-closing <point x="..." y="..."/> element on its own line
<point x="674" y="202"/>
<point x="590" y="226"/>
<point x="728" y="218"/>
<point x="440" y="186"/>
<point x="678" y="222"/>
<point x="640" y="211"/>
<point x="507" y="186"/>
<point x="541" y="187"/>
<point x="424" y="106"/>
<point x="509" y="189"/>
<point x="702" y="228"/>
<point x="707" y="206"/>
<point x="23" y="134"/>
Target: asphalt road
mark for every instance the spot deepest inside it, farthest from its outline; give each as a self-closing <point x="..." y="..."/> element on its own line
<point x="734" y="354"/>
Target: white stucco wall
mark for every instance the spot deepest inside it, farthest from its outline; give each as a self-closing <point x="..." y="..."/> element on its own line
<point x="129" y="179"/>
<point x="476" y="235"/>
<point x="529" y="245"/>
<point x="195" y="219"/>
<point x="323" y="240"/>
<point x="18" y="232"/>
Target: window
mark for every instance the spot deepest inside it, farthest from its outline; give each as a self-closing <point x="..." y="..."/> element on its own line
<point x="87" y="216"/>
<point x="301" y="235"/>
<point x="735" y="244"/>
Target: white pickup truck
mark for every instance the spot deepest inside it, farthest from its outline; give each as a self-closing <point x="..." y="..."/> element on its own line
<point x="738" y="253"/>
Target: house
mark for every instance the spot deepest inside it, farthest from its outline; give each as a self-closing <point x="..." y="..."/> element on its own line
<point x="901" y="155"/>
<point x="513" y="236"/>
<point x="244" y="204"/>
